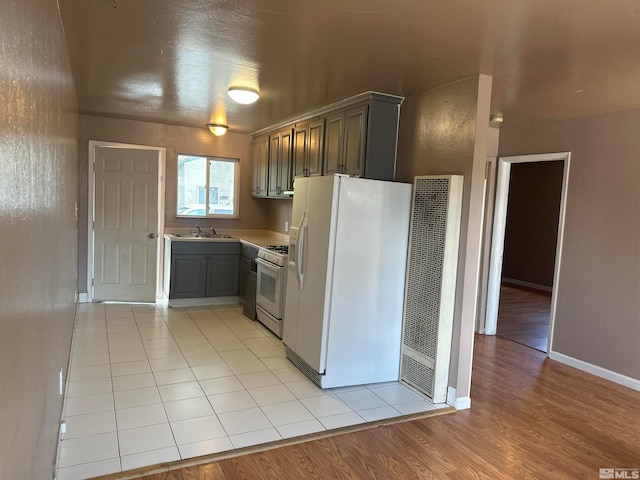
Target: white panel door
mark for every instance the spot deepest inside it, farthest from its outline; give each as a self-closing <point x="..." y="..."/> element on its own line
<point x="125" y="224"/>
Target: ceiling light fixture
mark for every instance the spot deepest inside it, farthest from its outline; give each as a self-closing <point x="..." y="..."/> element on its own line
<point x="243" y="95"/>
<point x="217" y="128"/>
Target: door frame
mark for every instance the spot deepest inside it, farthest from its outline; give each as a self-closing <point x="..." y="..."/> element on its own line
<point x="497" y="238"/>
<point x="161" y="158"/>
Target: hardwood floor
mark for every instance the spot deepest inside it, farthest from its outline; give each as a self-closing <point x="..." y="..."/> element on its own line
<point x="530" y="418"/>
<point x="523" y="317"/>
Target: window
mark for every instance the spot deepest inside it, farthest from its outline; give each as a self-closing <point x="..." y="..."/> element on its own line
<point x="208" y="181"/>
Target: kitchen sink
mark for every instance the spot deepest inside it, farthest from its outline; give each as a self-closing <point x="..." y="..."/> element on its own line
<point x="203" y="236"/>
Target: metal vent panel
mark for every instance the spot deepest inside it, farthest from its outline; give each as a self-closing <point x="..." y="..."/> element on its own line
<point x="424" y="278"/>
<point x="314" y="376"/>
<point x="430" y="283"/>
<point x="418" y="375"/>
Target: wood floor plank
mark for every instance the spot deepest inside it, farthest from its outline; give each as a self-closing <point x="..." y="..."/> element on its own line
<point x="523" y="316"/>
<point x="530" y="418"/>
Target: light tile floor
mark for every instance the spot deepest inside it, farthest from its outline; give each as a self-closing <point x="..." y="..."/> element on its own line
<point x="149" y="384"/>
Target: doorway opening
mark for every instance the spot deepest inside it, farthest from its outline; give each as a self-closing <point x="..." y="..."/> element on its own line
<point x="526" y="305"/>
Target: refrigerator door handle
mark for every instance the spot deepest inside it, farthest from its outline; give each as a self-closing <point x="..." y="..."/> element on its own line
<point x="302" y="233"/>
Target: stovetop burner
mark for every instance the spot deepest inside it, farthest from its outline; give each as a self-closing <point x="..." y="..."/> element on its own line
<point x="283" y="249"/>
<point x="276" y="254"/>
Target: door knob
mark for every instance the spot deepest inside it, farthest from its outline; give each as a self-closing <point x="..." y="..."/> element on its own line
<point x="152" y="235"/>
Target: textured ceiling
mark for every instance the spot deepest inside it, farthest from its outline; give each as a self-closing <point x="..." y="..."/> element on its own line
<point x="171" y="61"/>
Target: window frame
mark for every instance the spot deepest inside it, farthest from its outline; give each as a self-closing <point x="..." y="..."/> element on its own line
<point x="207" y="186"/>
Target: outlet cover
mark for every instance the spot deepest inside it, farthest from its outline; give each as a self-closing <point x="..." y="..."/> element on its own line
<point x="286" y="226"/>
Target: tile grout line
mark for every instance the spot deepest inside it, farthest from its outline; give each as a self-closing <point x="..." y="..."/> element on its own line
<point x="113" y="392"/>
<point x="190" y="368"/>
<point x="229" y="322"/>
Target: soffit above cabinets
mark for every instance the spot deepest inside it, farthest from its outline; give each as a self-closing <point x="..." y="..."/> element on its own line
<point x="171" y="61"/>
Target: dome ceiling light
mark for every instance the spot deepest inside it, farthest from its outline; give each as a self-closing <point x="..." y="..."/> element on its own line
<point x="217" y="128"/>
<point x="243" y="95"/>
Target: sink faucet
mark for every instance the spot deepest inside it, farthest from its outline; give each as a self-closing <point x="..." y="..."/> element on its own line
<point x="199" y="230"/>
<point x="213" y="232"/>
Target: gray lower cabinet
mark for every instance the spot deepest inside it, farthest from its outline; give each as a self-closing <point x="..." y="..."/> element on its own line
<point x="204" y="269"/>
<point x="223" y="273"/>
<point x="188" y="276"/>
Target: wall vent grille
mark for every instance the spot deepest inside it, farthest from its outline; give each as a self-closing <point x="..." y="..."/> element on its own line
<point x="314" y="376"/>
<point x="430" y="284"/>
<point x="417" y="375"/>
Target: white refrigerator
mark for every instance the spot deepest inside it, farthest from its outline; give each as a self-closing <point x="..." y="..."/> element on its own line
<point x="345" y="280"/>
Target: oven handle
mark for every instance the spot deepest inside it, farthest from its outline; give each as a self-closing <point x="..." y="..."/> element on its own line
<point x="268" y="265"/>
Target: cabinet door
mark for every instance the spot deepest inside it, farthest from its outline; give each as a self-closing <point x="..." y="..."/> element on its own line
<point x="222" y="275"/>
<point x="300" y="134"/>
<point x="355" y="140"/>
<point x="334" y="144"/>
<point x="315" y="141"/>
<point x="188" y="276"/>
<point x="260" y="159"/>
<point x="285" y="180"/>
<point x="275" y="158"/>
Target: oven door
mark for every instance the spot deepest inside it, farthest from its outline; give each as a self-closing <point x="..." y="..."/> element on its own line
<point x="269" y="287"/>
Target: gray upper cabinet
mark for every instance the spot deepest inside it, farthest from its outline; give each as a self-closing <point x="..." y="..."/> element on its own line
<point x="355" y="139"/>
<point x="334" y="143"/>
<point x="357" y="136"/>
<point x="345" y="140"/>
<point x="300" y="134"/>
<point x="280" y="159"/>
<point x="307" y="151"/>
<point x="260" y="166"/>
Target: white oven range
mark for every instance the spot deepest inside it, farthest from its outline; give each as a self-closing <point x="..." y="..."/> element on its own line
<point x="271" y="286"/>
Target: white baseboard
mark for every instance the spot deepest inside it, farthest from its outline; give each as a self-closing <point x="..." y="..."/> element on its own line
<point x="596" y="370"/>
<point x="522" y="283"/>
<point x="462" y="403"/>
<point x="83" y="297"/>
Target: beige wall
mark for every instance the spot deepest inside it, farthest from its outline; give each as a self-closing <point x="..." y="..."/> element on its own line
<point x="38" y="179"/>
<point x="531" y="231"/>
<point x="279" y="212"/>
<point x="445" y="131"/>
<point x="254" y="213"/>
<point x="598" y="309"/>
